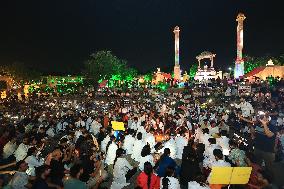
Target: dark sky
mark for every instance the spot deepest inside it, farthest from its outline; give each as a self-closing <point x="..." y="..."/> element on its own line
<point x="58" y="35"/>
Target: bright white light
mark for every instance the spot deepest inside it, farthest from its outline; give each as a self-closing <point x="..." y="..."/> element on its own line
<point x="261" y="112"/>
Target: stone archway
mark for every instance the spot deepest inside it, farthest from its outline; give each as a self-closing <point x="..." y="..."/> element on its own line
<point x="206" y="54"/>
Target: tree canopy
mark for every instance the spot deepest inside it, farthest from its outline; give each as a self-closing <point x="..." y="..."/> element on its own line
<point x="20" y="72"/>
<point x="103" y="65"/>
<point x="193" y="69"/>
<point x="251" y="63"/>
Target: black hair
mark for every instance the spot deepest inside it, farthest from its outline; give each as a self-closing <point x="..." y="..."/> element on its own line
<point x="167" y="152"/>
<point x="165" y="181"/>
<point x="223" y="133"/>
<point x="218" y="153"/>
<point x="148" y="170"/>
<point x="119" y="153"/>
<point x="39" y="170"/>
<point x="146" y="151"/>
<point x="75" y="169"/>
<point x="212" y="140"/>
<point x="206" y="130"/>
<point x="19" y="163"/>
<point x="63" y="140"/>
<point x="139" y="136"/>
<point x="108" y="144"/>
<point x="30" y="152"/>
<point x="233" y="143"/>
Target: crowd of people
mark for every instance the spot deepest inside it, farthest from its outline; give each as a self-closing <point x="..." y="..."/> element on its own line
<point x="170" y="139"/>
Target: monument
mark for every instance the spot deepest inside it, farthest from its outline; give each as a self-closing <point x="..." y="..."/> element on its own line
<point x="239" y="64"/>
<point x="206" y="72"/>
<point x="177" y="74"/>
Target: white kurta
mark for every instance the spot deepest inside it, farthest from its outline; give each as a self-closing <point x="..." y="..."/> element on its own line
<point x="171" y="144"/>
<point x="128" y="144"/>
<point x="223" y="141"/>
<point x="148" y="158"/>
<point x="195" y="185"/>
<point x="95" y="127"/>
<point x="119" y="171"/>
<point x="9" y="149"/>
<point x="173" y="183"/>
<point x="104" y="143"/>
<point x="150" y="139"/>
<point x="80" y="124"/>
<point x="181" y="142"/>
<point x="111" y="153"/>
<point x="137" y="148"/>
<point x="21" y="152"/>
<point x="33" y="162"/>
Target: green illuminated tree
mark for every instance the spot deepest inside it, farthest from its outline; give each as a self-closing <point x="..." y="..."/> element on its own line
<point x="103" y="65"/>
<point x="254" y="62"/>
<point x="193" y="70"/>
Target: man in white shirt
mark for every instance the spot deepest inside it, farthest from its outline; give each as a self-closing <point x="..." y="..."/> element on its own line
<point x="246" y="108"/>
<point x="135" y="124"/>
<point x="61" y="126"/>
<point x="20" y="179"/>
<point x="223" y="141"/>
<point x="104" y="143"/>
<point x="213" y="129"/>
<point x="181" y="142"/>
<point x="51" y="131"/>
<point x="80" y="123"/>
<point x="22" y="150"/>
<point x="9" y="148"/>
<point x="220" y="162"/>
<point x="129" y="142"/>
<point x="95" y="126"/>
<point x="171" y="144"/>
<point x="203" y="138"/>
<point x="150" y="139"/>
<point x="210" y="149"/>
<point x="88" y="123"/>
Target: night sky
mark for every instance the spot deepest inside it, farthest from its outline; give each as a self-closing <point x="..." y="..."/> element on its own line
<point x="58" y="35"/>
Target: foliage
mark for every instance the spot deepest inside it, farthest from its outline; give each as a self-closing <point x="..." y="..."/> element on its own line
<point x="3" y="85"/>
<point x="103" y="65"/>
<point x="20" y="72"/>
<point x="148" y="77"/>
<point x="163" y="86"/>
<point x="251" y="63"/>
<point x="193" y="69"/>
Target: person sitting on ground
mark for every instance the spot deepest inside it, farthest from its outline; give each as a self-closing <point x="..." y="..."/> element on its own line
<point x="146" y="157"/>
<point x="20" y="179"/>
<point x="147" y="179"/>
<point x="164" y="162"/>
<point x="121" y="167"/>
<point x="74" y="182"/>
<point x="169" y="181"/>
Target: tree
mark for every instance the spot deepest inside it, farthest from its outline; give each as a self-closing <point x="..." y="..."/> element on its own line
<point x="193" y="69"/>
<point x="20" y="72"/>
<point x="100" y="66"/>
<point x="251" y="63"/>
<point x="103" y="65"/>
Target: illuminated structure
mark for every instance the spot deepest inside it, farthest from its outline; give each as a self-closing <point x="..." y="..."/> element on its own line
<point x="177" y="74"/>
<point x="206" y="72"/>
<point x="239" y="64"/>
<point x="265" y="72"/>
